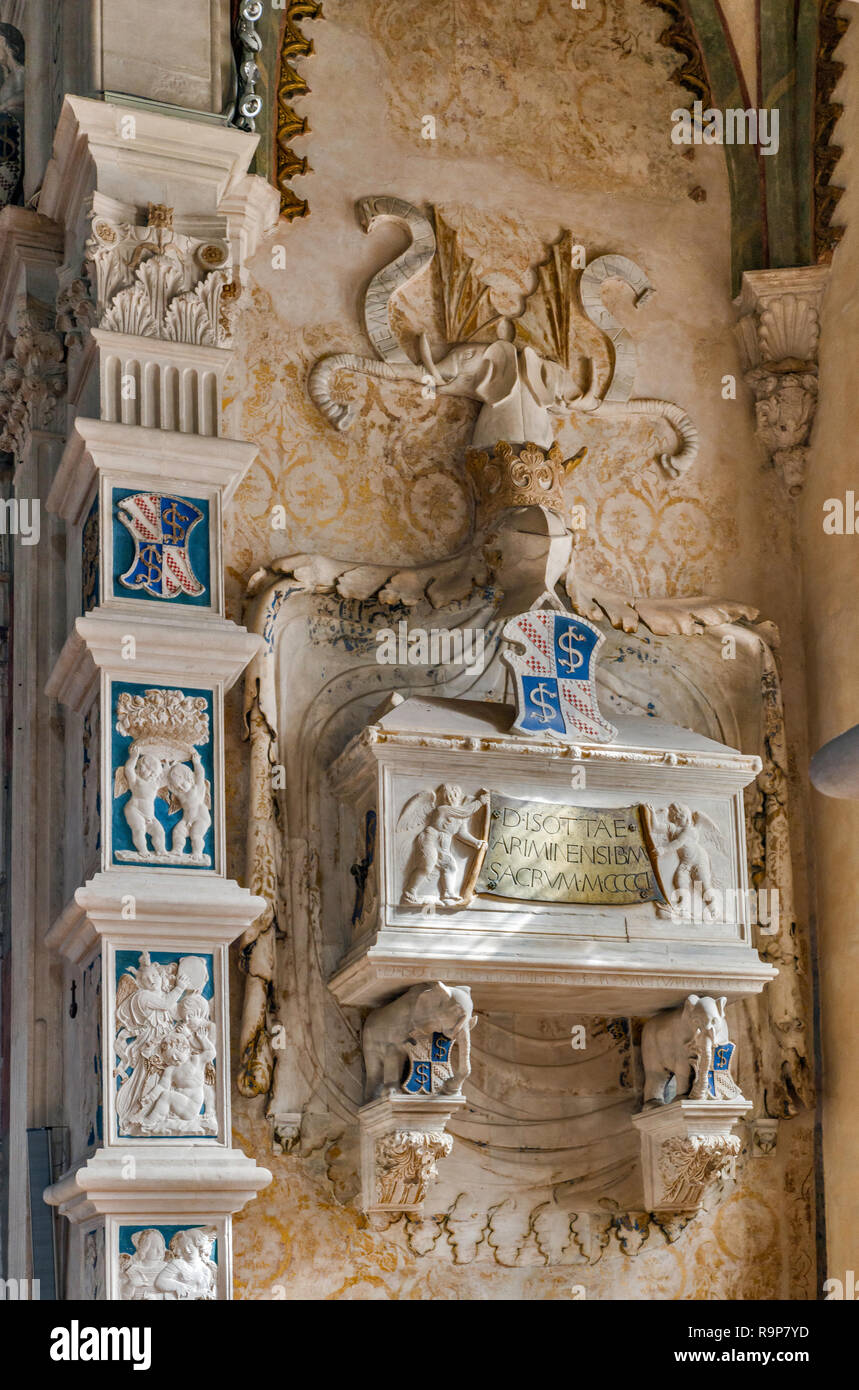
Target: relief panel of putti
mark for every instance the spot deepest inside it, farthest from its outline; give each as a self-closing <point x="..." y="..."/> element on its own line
<point x="437" y="856"/>
<point x="168" y="1264"/>
<point x="165" y="1042"/>
<point x="162" y="777"/>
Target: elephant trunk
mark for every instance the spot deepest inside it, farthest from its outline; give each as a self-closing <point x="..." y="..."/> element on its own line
<point x="672" y="464"/>
<point x="703" y="1056"/>
<point x="321" y="374"/>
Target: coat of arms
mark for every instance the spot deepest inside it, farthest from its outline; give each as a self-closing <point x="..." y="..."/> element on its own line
<point x="555" y="687"/>
<point x="160" y="526"/>
<point x="720" y="1083"/>
<point x="429" y="1064"/>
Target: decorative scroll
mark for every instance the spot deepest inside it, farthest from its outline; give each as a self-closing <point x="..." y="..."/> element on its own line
<point x="680" y="35"/>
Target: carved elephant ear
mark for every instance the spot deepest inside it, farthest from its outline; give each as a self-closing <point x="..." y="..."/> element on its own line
<point x="720" y="1004"/>
<point x="690" y="1004"/>
<point x="427" y="1006"/>
<point x="542" y="378"/>
<point x="501" y="374"/>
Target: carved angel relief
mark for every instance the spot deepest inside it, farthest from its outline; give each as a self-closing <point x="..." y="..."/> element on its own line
<point x="436" y="819"/>
<point x="165" y="1045"/>
<point x="564" y="351"/>
<point x="182" y="1271"/>
<point x="683" y="839"/>
<point x="165" y="726"/>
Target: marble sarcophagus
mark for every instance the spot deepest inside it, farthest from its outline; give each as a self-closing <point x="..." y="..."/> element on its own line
<point x="545" y="874"/>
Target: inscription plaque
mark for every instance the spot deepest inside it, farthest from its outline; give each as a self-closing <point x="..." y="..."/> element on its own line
<point x="542" y="852"/>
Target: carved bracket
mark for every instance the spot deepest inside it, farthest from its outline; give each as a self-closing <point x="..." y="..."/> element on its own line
<point x="32" y="378"/>
<point x="402" y="1140"/>
<point x="686" y="1148"/>
<point x="779" y="333"/>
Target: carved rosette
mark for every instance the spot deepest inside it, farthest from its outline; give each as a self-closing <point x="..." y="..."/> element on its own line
<point x="153" y="282"/>
<point x="779" y="334"/>
<point x="406" y="1165"/>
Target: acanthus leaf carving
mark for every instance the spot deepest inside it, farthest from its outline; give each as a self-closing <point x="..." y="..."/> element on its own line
<point x="406" y="1165"/>
<point x="689" y="1164"/>
<point x="154" y="282"/>
<point x="32" y="377"/>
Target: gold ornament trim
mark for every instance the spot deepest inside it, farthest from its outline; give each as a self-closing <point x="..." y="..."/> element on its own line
<point x="831" y="28"/>
<point x="288" y="124"/>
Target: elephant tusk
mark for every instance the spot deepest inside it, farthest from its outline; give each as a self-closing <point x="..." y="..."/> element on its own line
<point x="672" y="464"/>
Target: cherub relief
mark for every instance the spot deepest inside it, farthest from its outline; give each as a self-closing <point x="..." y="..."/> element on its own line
<point x="166" y="1049"/>
<point x="190" y="789"/>
<point x="690" y="834"/>
<point x="164" y="727"/>
<point x="156" y="1272"/>
<point x="439" y="817"/>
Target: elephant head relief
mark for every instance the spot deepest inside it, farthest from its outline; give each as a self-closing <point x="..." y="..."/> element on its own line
<point x="522" y="370"/>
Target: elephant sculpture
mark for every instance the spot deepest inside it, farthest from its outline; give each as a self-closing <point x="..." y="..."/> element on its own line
<point x="681" y="1043"/>
<point x="423" y="1010"/>
<point x="518" y="388"/>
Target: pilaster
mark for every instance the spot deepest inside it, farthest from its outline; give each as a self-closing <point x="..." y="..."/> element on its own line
<point x="159" y="215"/>
<point x="32" y="423"/>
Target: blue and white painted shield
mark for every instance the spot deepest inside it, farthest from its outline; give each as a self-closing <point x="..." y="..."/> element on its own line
<point x="429" y="1064"/>
<point x="160" y="526"/>
<point x="555" y="685"/>
<point x="720" y="1084"/>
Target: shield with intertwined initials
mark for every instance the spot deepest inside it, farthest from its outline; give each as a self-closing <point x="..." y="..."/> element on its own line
<point x="160" y="526"/>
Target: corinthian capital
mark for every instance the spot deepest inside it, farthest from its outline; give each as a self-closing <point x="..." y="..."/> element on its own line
<point x="779" y="332"/>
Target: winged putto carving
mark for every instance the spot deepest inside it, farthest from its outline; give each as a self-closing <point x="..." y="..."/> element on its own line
<point x="435" y="819"/>
<point x="688" y="837"/>
<point x="563" y="351"/>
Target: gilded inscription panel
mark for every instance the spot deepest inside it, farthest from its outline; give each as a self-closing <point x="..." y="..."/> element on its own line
<point x="542" y="852"/>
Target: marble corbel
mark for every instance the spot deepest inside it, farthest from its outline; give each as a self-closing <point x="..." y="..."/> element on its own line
<point x="779" y="333"/>
<point x="687" y="1144"/>
<point x="413" y="1088"/>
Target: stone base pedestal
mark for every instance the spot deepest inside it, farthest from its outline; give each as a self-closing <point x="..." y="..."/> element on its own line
<point x="685" y="1148"/>
<point x="155" y="1224"/>
<point x="402" y="1140"/>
